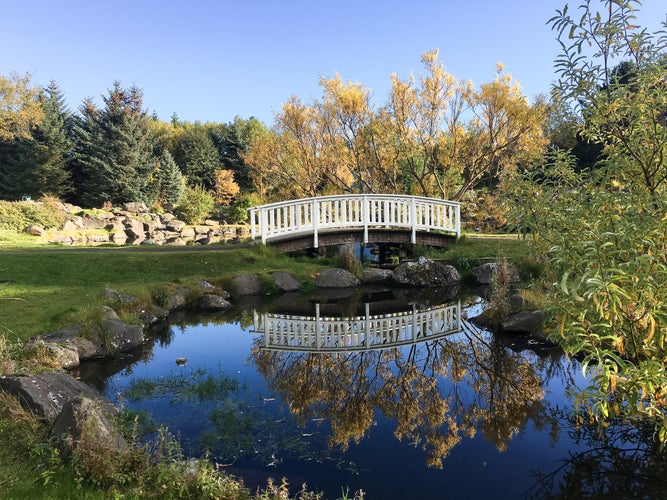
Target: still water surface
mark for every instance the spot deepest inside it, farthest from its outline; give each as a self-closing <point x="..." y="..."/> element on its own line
<point x="451" y="414"/>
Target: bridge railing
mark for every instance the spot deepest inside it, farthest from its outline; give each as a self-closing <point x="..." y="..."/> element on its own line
<point x="311" y="215"/>
<point x="381" y="331"/>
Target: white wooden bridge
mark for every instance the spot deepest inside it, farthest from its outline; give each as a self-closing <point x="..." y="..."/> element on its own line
<point x="317" y="333"/>
<point x="385" y="215"/>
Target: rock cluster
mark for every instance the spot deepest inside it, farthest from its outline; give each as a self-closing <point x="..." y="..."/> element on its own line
<point x="134" y="224"/>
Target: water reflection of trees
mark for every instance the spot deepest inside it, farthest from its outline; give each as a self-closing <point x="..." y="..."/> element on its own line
<point x="438" y="392"/>
<point x="619" y="458"/>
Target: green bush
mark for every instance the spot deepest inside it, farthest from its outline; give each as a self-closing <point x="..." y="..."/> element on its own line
<point x="195" y="205"/>
<point x="17" y="215"/>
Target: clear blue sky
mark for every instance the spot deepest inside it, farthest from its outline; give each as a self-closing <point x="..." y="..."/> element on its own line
<point x="213" y="60"/>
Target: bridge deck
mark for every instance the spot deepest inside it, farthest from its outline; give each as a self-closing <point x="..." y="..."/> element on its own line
<point x="367" y="218"/>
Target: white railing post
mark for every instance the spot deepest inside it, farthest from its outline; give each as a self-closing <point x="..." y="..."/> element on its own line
<point x="263" y="224"/>
<point x="413" y="220"/>
<point x="315" y="216"/>
<point x="365" y="217"/>
<point x="457" y="210"/>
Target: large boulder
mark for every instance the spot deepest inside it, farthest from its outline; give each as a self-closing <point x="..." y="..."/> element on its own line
<point x="374" y="275"/>
<point x="135" y="207"/>
<point x="247" y="284"/>
<point x="86" y="422"/>
<point x="336" y="278"/>
<point x="484" y="274"/>
<point x="103" y="337"/>
<point x="285" y="282"/>
<point x="35" y="230"/>
<point x="45" y="394"/>
<point x="93" y="222"/>
<point x="527" y="322"/>
<point x="425" y="273"/>
<point x="211" y="303"/>
<point x="134" y="228"/>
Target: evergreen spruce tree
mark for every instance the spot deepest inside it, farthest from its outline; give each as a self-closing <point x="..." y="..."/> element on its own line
<point x="113" y="157"/>
<point x="196" y="155"/>
<point x="170" y="180"/>
<point x="52" y="145"/>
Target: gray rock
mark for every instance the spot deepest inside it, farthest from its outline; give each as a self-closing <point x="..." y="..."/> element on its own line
<point x="285" y="282"/>
<point x="247" y="284"/>
<point x="46" y="393"/>
<point x="108" y="336"/>
<point x="205" y="286"/>
<point x="118" y="297"/>
<point x="150" y="226"/>
<point x="135" y="207"/>
<point x="152" y="316"/>
<point x="115" y="226"/>
<point x="376" y="275"/>
<point x="118" y="336"/>
<point x="524" y="322"/>
<point x="134" y="228"/>
<point x="177" y="299"/>
<point x="425" y="273"/>
<point x="92" y="222"/>
<point x="35" y="230"/>
<point x="175" y="225"/>
<point x="483" y="275"/>
<point x="211" y="302"/>
<point x="85" y="422"/>
<point x="336" y="278"/>
<point x="63" y="355"/>
<point x="70" y="225"/>
<point x="187" y="232"/>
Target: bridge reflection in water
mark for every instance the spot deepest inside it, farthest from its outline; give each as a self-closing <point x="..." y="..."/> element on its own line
<point x="284" y="332"/>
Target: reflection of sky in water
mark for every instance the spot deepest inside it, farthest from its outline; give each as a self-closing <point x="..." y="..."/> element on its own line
<point x="380" y="464"/>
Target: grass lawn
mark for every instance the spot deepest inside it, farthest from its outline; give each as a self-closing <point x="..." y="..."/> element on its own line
<point x="45" y="289"/>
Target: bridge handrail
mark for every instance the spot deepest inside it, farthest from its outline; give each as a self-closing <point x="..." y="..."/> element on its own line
<point x="380" y="331"/>
<point x="311" y="215"/>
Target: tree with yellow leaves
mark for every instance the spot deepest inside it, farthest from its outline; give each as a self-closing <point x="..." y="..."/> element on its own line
<point x="20" y="109"/>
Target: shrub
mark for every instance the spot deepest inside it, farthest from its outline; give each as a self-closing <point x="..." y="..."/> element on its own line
<point x="195" y="205"/>
<point x="17" y="215"/>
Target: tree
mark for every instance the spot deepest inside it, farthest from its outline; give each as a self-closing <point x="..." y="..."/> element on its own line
<point x="37" y="165"/>
<point x="604" y="230"/>
<point x="20" y="109"/>
<point x="52" y="144"/>
<point x="113" y="155"/>
<point x="417" y="143"/>
<point x="232" y="141"/>
<point x="226" y="187"/>
<point x="169" y="178"/>
<point x="196" y="155"/>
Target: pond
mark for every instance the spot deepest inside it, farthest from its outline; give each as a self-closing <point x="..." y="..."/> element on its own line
<point x="390" y="392"/>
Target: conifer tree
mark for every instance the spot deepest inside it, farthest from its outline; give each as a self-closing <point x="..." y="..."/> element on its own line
<point x="114" y="150"/>
<point x="196" y="155"/>
<point x="170" y="180"/>
<point x="37" y="164"/>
